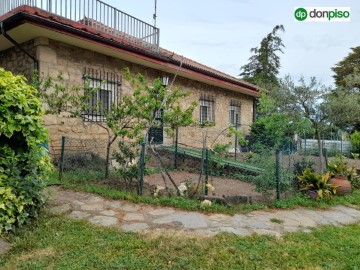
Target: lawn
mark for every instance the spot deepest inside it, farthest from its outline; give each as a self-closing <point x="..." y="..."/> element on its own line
<point x="55" y="242"/>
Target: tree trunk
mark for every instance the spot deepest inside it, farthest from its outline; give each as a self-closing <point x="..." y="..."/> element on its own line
<point x="318" y="136"/>
<point x="107" y="165"/>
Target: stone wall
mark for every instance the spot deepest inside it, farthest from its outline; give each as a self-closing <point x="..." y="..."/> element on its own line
<point x="71" y="61"/>
<point x="18" y="62"/>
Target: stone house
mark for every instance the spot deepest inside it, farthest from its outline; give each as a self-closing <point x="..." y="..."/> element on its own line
<point x="81" y="39"/>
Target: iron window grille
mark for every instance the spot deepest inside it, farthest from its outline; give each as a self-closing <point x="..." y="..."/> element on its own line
<point x="106" y="95"/>
<point x="207" y="109"/>
<point x="234" y="113"/>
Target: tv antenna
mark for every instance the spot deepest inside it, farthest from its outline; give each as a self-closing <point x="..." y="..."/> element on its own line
<point x="155" y="16"/>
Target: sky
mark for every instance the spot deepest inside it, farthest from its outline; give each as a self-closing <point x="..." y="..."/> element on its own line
<point x="221" y="33"/>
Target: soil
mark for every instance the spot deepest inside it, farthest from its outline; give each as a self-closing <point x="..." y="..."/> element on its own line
<point x="223" y="186"/>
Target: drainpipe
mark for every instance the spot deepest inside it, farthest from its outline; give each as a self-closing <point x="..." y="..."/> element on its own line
<point x="36" y="62"/>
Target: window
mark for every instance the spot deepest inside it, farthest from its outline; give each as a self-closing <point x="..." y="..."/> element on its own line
<point x="107" y="94"/>
<point x="207" y="112"/>
<point x="234" y="113"/>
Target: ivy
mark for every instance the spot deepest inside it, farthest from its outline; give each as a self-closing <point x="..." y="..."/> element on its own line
<point x="24" y="162"/>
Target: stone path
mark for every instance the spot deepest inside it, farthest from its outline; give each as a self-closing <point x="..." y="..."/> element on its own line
<point x="145" y="218"/>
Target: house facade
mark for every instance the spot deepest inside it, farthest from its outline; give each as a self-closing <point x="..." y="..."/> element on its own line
<point x="43" y="38"/>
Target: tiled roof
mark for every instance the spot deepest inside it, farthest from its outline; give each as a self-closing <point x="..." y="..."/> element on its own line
<point x="200" y="66"/>
<point x="121" y="38"/>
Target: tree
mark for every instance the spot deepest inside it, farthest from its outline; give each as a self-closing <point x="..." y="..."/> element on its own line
<point x="347" y="67"/>
<point x="131" y="118"/>
<point x="274" y="128"/>
<point x="305" y="101"/>
<point x="264" y="64"/>
<point x="344" y="102"/>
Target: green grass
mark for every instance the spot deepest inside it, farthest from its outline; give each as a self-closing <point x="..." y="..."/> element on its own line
<point x="276" y="220"/>
<point x="88" y="182"/>
<point x="55" y="242"/>
<point x="301" y="200"/>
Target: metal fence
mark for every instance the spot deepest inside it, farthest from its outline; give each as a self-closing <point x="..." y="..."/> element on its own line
<point x="332" y="146"/>
<point x="97" y="15"/>
<point x="206" y="161"/>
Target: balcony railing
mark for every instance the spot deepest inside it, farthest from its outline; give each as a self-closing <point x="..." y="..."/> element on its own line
<point x="98" y="15"/>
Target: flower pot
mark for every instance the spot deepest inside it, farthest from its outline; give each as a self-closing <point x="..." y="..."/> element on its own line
<point x="343" y="185"/>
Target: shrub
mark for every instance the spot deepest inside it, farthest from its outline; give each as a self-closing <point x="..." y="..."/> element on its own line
<point x="266" y="182"/>
<point x="24" y="162"/>
<point x="316" y="185"/>
<point x="222" y="149"/>
<point x="300" y="166"/>
<point x="355" y="142"/>
<point x="88" y="161"/>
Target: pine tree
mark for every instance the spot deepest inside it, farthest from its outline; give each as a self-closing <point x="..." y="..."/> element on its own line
<point x="347" y="67"/>
<point x="264" y="64"/>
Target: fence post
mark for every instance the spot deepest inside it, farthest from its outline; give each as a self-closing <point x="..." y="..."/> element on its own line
<point x="62" y="157"/>
<point x="325" y="156"/>
<point x="141" y="169"/>
<point x="206" y="170"/>
<point x="236" y="137"/>
<point x="176" y="145"/>
<point x="277" y="174"/>
<point x="341" y="145"/>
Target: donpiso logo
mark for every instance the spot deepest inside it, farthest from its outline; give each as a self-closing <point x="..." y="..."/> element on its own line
<point x="322" y="14"/>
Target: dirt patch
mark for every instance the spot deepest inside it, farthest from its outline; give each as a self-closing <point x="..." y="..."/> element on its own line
<point x="223" y="186"/>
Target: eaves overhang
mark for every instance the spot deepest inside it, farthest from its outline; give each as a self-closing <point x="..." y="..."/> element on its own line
<point x="26" y="23"/>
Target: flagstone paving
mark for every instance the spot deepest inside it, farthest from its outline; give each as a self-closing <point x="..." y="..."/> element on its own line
<point x="131" y="217"/>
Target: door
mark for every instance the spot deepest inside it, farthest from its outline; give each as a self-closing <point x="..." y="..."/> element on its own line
<point x="156" y="134"/>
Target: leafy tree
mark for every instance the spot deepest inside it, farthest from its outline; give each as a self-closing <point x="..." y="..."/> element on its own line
<point x="314" y="104"/>
<point x="274" y="128"/>
<point x="344" y="101"/>
<point x="305" y="101"/>
<point x="347" y="67"/>
<point x="131" y="118"/>
<point x="264" y="64"/>
<point x="24" y="163"/>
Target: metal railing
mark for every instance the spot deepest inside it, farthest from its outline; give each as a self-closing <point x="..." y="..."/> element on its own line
<point x="98" y="15"/>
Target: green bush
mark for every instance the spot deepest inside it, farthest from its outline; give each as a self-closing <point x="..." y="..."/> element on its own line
<point x="24" y="162"/>
<point x="222" y="149"/>
<point x="316" y="185"/>
<point x="266" y="182"/>
<point x="355" y="142"/>
<point x="86" y="161"/>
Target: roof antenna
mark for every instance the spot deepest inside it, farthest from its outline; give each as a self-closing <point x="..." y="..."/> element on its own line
<point x="155" y="16"/>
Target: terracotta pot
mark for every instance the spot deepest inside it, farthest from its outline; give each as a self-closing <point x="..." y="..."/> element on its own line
<point x="343" y="185"/>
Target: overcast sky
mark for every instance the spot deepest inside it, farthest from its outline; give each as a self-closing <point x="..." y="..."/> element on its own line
<point x="220" y="33"/>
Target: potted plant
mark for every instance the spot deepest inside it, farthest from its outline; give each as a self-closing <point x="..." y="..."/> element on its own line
<point x="316" y="185"/>
<point x="341" y="175"/>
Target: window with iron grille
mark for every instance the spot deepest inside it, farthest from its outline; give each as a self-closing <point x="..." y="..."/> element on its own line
<point x="234" y="113"/>
<point x="106" y="95"/>
<point x="207" y="112"/>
